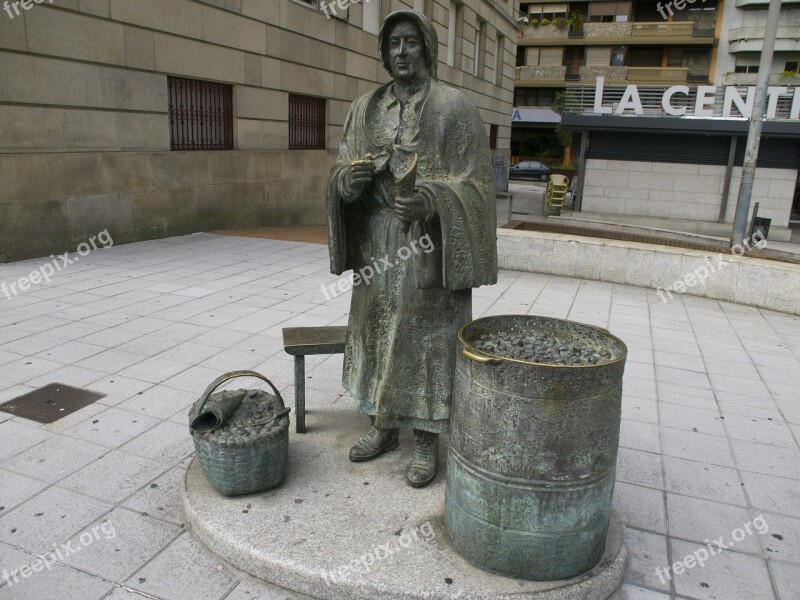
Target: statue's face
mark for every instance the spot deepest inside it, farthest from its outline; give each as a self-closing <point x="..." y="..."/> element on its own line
<point x="406" y="51"/>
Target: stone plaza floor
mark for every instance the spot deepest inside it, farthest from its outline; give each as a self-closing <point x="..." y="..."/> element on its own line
<point x="708" y="447"/>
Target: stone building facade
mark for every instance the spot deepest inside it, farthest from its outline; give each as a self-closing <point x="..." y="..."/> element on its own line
<point x="86" y="139"/>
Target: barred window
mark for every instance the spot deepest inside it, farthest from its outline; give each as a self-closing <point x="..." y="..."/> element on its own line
<point x="306" y="122"/>
<point x="200" y="115"/>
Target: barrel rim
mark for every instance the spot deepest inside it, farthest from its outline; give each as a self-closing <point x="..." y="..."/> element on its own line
<point x="622" y="357"/>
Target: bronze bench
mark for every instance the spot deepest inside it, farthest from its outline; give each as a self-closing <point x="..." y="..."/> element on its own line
<point x="301" y="341"/>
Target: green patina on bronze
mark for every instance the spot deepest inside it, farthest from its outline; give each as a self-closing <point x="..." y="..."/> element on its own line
<point x="428" y="139"/>
<point x="533" y="449"/>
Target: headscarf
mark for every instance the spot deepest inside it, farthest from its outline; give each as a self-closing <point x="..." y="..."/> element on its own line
<point x="429" y="37"/>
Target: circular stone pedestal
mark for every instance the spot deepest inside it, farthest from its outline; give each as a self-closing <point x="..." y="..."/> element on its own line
<point x="337" y="530"/>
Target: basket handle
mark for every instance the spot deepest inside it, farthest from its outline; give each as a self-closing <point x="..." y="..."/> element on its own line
<point x="233" y="375"/>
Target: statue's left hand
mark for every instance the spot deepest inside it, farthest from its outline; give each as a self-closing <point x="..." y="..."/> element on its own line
<point x="413" y="208"/>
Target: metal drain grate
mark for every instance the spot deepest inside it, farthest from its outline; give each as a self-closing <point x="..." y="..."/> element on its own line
<point x="50" y="403"/>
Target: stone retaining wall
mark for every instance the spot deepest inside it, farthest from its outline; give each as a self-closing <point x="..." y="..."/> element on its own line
<point x="743" y="280"/>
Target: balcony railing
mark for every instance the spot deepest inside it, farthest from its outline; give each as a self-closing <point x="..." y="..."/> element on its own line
<point x="541" y="75"/>
<point x="686" y="32"/>
<point x="658" y="74"/>
<point x="662" y="31"/>
<point x="549" y="76"/>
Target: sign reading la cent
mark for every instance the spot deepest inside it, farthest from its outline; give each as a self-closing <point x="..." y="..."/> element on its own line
<point x="733" y="104"/>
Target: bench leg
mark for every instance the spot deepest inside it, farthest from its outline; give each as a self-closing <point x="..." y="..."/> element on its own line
<point x="300" y="393"/>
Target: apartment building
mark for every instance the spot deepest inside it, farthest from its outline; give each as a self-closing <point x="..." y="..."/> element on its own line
<point x="153" y="118"/>
<point x="657" y="97"/>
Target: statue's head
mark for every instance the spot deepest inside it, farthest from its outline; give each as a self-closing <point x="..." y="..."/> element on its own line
<point x="408" y="45"/>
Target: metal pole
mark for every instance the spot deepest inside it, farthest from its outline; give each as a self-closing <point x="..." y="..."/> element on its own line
<point x="577" y="190"/>
<point x="756" y="122"/>
<point x="726" y="186"/>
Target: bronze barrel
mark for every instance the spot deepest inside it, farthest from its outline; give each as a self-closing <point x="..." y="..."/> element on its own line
<point x="533" y="449"/>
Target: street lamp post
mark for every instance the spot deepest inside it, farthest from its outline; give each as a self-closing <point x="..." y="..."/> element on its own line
<point x="739" y="232"/>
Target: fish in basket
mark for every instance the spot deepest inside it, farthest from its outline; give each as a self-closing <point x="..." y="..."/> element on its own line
<point x="241" y="436"/>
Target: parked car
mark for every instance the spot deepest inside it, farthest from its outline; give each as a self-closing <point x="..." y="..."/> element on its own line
<point x="529" y="169"/>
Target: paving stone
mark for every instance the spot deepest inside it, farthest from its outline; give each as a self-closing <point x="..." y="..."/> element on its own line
<point x="640" y="507"/>
<point x="728" y="575"/>
<point x="701" y="480"/>
<point x="110" y="361"/>
<point x="775" y="494"/>
<point x="154" y="370"/>
<point x="639" y="468"/>
<point x="639" y="436"/>
<point x="195" y="379"/>
<point x="786" y="578"/>
<point x="688" y="362"/>
<point x="68" y="582"/>
<point x="55" y="458"/>
<point x="646" y="552"/>
<point x="637" y="409"/>
<point x="16" y="489"/>
<point x="696" y="446"/>
<point x="71" y="352"/>
<point x="682" y="377"/>
<point x="118" y="388"/>
<point x="120" y="544"/>
<point x="772" y="433"/>
<point x="767" y="460"/>
<point x="782" y="540"/>
<point x="632" y="592"/>
<point x="112" y="427"/>
<point x="184" y="570"/>
<point x="698" y="520"/>
<point x="161" y="498"/>
<point x="250" y="589"/>
<point x="49" y="519"/>
<point x="167" y="442"/>
<point x="16" y="437"/>
<point x="114" y="477"/>
<point x="690" y="419"/>
<point x="160" y="402"/>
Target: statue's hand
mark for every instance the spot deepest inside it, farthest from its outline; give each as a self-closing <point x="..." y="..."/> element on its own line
<point x="414" y="208"/>
<point x="357" y="175"/>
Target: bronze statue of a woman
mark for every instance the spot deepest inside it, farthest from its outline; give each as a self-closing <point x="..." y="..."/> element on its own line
<point x="414" y="163"/>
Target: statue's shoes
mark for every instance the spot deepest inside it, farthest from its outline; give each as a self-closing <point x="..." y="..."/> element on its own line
<point x="422" y="469"/>
<point x="374" y="443"/>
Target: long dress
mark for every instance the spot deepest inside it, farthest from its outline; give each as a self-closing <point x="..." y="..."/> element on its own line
<point x="400" y="351"/>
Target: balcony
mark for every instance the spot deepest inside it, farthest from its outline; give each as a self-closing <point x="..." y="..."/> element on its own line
<point x="761" y="3"/>
<point x="541" y="76"/>
<point x="751" y="39"/>
<point x="621" y="34"/>
<point x="749" y="79"/>
<point x="587" y="75"/>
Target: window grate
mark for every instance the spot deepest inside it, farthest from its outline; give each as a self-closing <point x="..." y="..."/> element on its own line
<point x="306" y="123"/>
<point x="200" y="115"/>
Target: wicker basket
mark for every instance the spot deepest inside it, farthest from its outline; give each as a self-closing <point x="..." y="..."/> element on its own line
<point x="249" y="451"/>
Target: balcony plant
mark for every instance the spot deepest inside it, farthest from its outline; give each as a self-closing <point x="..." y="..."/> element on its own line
<point x="575" y="20"/>
<point x="560" y="22"/>
<point x="792" y="75"/>
<point x="545" y="22"/>
<point x="534" y="22"/>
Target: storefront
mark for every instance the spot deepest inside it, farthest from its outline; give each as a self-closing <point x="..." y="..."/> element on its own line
<point x="676" y="152"/>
